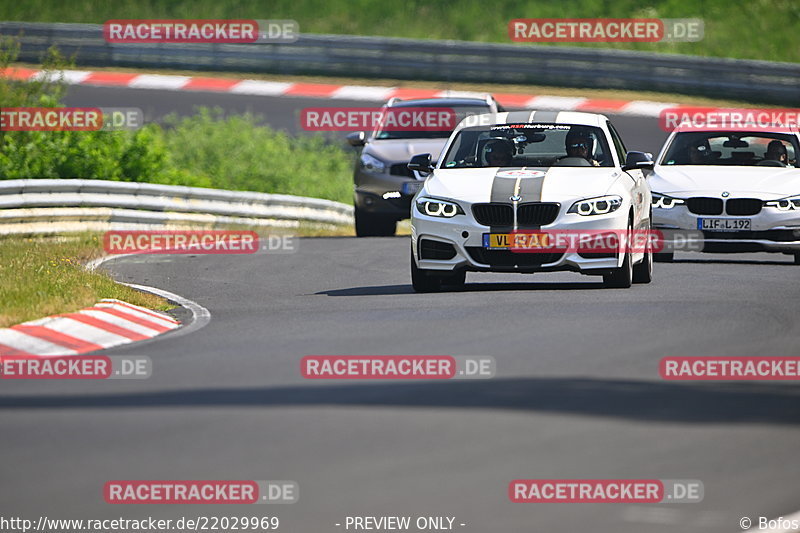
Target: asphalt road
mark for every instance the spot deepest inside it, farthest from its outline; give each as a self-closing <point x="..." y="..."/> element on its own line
<point x="577" y="392"/>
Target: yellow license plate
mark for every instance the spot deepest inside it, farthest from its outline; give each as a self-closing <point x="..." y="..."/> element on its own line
<point x="504" y="241"/>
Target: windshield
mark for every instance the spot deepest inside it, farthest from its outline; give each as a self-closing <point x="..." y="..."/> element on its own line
<point x="732" y="148"/>
<point x="540" y="145"/>
<point x="461" y="113"/>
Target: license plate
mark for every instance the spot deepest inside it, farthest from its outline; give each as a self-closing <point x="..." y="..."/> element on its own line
<point x="410" y="188"/>
<point x="526" y="241"/>
<point x="723" y="224"/>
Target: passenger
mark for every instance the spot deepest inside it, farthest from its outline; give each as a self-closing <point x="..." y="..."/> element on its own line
<point x="776" y="151"/>
<point x="699" y="153"/>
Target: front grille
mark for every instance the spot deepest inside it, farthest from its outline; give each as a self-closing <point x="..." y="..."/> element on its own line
<point x="401" y="169"/>
<point x="530" y="214"/>
<point x="507" y="258"/>
<point x="744" y="206"/>
<point x="597" y="255"/>
<point x="493" y="214"/>
<point x="704" y="206"/>
<point x="538" y="214"/>
<point x="441" y="251"/>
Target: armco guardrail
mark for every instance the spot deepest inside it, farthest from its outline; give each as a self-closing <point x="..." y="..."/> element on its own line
<point x="753" y="81"/>
<point x="57" y="205"/>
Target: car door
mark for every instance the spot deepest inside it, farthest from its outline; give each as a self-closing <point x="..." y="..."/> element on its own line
<point x="640" y="189"/>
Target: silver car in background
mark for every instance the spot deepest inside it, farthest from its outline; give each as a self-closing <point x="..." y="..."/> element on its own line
<point x="384" y="185"/>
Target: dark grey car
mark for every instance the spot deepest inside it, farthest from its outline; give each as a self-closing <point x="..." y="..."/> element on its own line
<point x="384" y="186"/>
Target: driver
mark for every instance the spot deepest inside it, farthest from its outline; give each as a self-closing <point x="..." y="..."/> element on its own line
<point x="776" y="151"/>
<point x="579" y="144"/>
<point x="499" y="153"/>
<point x="699" y="153"/>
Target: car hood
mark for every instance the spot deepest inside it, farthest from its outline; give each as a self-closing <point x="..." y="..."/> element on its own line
<point x="401" y="150"/>
<point x="761" y="182"/>
<point x="554" y="184"/>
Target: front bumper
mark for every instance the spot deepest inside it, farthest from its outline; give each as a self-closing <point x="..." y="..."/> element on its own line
<point x="771" y="231"/>
<point x="465" y="237"/>
<point x="370" y="188"/>
<point x="370" y="202"/>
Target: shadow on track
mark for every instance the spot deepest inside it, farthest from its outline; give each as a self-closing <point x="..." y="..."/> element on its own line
<point x="388" y="290"/>
<point x="646" y="401"/>
<point x="789" y="263"/>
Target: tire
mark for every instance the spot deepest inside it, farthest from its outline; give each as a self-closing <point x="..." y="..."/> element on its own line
<point x="456" y="280"/>
<point x="372" y="225"/>
<point x="643" y="272"/>
<point x="797" y="259"/>
<point x="664" y="257"/>
<point x="622" y="277"/>
<point x="423" y="280"/>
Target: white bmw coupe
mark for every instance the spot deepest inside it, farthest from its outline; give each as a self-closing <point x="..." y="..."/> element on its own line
<point x="740" y="188"/>
<point x="521" y="173"/>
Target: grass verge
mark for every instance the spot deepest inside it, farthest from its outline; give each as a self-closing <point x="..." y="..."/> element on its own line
<point x="44" y="276"/>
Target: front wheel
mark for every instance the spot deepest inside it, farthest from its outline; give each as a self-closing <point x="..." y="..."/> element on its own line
<point x="427" y="281"/>
<point x="423" y="280"/>
<point x="797" y="259"/>
<point x="622" y="277"/>
<point x="664" y="257"/>
<point x="372" y="225"/>
<point x="457" y="279"/>
<point x="643" y="272"/>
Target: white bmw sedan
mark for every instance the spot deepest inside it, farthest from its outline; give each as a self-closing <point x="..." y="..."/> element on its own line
<point x="741" y="189"/>
<point x="530" y="173"/>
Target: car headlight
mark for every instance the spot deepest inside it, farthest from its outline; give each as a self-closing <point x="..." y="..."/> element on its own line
<point x="785" y="204"/>
<point x="601" y="205"/>
<point x="438" y="208"/>
<point x="372" y="164"/>
<point x="662" y="201"/>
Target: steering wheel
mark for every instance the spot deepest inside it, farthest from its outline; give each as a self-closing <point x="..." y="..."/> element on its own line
<point x="770" y="163"/>
<point x="572" y="162"/>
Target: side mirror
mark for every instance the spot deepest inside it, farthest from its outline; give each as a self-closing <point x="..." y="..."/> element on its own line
<point x="358" y="138"/>
<point x="421" y="163"/>
<point x="638" y="161"/>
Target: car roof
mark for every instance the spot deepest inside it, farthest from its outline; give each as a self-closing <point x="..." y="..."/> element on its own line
<point x="531" y="116"/>
<point x="439" y="102"/>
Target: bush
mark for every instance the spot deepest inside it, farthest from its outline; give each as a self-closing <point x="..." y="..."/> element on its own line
<point x="236" y="153"/>
<point x="206" y="150"/>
